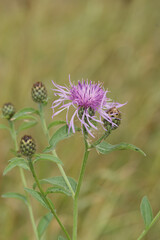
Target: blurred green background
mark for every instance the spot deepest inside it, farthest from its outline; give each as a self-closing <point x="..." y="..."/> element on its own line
<point x="118" y="43"/>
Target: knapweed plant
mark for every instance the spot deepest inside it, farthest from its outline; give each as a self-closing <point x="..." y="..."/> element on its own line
<point x="85" y="103"/>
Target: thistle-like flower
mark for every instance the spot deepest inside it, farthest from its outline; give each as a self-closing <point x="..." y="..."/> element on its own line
<point x="89" y="101"/>
<point x="8" y="110"/>
<point x="27" y="146"/>
<point x="39" y="92"/>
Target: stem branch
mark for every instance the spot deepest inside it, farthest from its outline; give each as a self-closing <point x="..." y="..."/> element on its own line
<point x="45" y="129"/>
<point x="14" y="137"/>
<point x="46" y="200"/>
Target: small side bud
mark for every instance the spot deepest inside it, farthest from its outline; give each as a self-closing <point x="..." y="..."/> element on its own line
<point x="27" y="146"/>
<point x="39" y="92"/>
<point x="115" y="114"/>
<point x="8" y="110"/>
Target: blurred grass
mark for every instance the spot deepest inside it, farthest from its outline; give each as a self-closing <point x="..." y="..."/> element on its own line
<point x="116" y="42"/>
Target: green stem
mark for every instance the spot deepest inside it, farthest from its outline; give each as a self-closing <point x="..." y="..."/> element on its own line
<point x="14" y="137"/>
<point x="45" y="129"/>
<point x="86" y="153"/>
<point x="152" y="223"/>
<point x="13" y="134"/>
<point x="46" y="200"/>
<point x="44" y="125"/>
<point x="29" y="205"/>
<point x="82" y="171"/>
<point x="75" y="219"/>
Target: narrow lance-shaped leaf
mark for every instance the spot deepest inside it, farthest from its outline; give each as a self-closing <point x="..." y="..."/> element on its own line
<point x="61" y="134"/>
<point x="26" y="125"/>
<point x="106" y="148"/>
<point x="146" y="211"/>
<point x="59" y="182"/>
<point x="28" y="117"/>
<point x="3" y="126"/>
<point x="38" y="196"/>
<point x="56" y="123"/>
<point x="61" y="238"/>
<point x="16" y="162"/>
<point x="58" y="190"/>
<point x="43" y="224"/>
<point x="48" y="157"/>
<point x="23" y="112"/>
<point x="15" y="195"/>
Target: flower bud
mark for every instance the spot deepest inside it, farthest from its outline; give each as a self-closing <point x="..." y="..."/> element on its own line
<point x="8" y="110"/>
<point x="39" y="92"/>
<point x="27" y="146"/>
<point x="115" y="115"/>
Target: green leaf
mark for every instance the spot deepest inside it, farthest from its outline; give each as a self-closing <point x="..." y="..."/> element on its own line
<point x="48" y="149"/>
<point x="106" y="148"/>
<point x="59" y="182"/>
<point x="38" y="196"/>
<point x="61" y="134"/>
<point x="58" y="190"/>
<point x="146" y="211"/>
<point x="61" y="238"/>
<point x="43" y="224"/>
<point x="15" y="195"/>
<point x="55" y="123"/>
<point x="48" y="157"/>
<point x="14" y="162"/>
<point x="3" y="126"/>
<point x="26" y="125"/>
<point x="24" y="113"/>
<point x="27" y="116"/>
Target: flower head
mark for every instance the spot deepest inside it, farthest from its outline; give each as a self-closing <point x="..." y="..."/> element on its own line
<point x="27" y="146"/>
<point x="39" y="92"/>
<point x="89" y="101"/>
<point x="8" y="110"/>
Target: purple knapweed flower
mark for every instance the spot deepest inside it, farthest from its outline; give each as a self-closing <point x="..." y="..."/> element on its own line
<point x="89" y="101"/>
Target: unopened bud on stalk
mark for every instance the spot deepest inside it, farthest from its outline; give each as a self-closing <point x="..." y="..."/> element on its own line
<point x="8" y="110"/>
<point x="39" y="92"/>
<point x="115" y="115"/>
<point x="27" y="146"/>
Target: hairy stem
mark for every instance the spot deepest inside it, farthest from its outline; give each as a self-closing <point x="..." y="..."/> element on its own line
<point x="61" y="169"/>
<point x="46" y="200"/>
<point x="82" y="171"/>
<point x="14" y="137"/>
